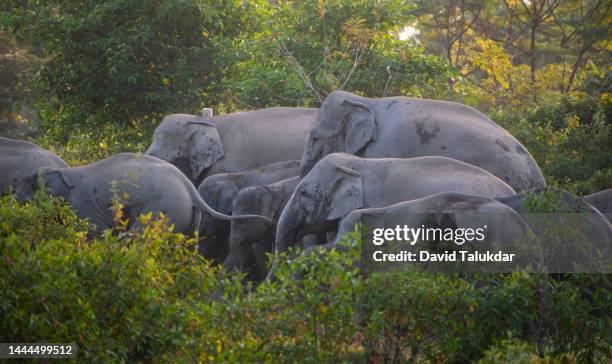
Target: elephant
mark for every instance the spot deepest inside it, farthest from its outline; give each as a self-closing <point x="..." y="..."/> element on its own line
<point x="403" y="127"/>
<point x="141" y="183"/>
<point x="250" y="241"/>
<point x="341" y="183"/>
<point x="201" y="146"/>
<point x="19" y="158"/>
<point x="566" y="223"/>
<point x="460" y="210"/>
<point x="501" y="226"/>
<point x="219" y="192"/>
<point x="602" y="201"/>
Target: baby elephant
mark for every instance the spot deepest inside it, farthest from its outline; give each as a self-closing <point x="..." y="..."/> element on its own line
<point x="219" y="192"/>
<point x="19" y="158"/>
<point x="250" y="241"/>
<point x="142" y="183"/>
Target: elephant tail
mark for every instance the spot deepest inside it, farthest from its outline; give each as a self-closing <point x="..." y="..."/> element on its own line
<point x="203" y="206"/>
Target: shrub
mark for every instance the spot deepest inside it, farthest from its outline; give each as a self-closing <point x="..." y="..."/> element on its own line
<point x="118" y="299"/>
<point x="570" y="140"/>
<point x="148" y="296"/>
<point x="121" y="61"/>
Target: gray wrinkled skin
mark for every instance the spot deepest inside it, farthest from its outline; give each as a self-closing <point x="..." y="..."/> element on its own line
<point x="233" y="142"/>
<point x="602" y="201"/>
<point x="461" y="210"/>
<point x="151" y="185"/>
<point x="219" y="192"/>
<point x="341" y="183"/>
<point x="404" y="127"/>
<point x="19" y="158"/>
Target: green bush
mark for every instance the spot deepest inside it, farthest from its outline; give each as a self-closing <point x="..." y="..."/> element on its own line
<point x="515" y="352"/>
<point x="110" y="67"/>
<point x="303" y="50"/>
<point x="85" y="145"/>
<point x="121" y="61"/>
<point x="148" y="296"/>
<point x="116" y="298"/>
<point x="569" y="138"/>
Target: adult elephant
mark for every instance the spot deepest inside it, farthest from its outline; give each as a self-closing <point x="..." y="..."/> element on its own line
<point x="142" y="184"/>
<point x="19" y="158"/>
<point x="341" y="183"/>
<point x="220" y="190"/>
<point x="453" y="209"/>
<point x="200" y="146"/>
<point x="406" y="127"/>
<point x="493" y="225"/>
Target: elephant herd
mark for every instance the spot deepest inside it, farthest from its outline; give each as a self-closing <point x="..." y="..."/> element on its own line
<point x="259" y="182"/>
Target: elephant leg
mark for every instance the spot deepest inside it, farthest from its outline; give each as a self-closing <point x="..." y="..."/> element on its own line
<point x="214" y="244"/>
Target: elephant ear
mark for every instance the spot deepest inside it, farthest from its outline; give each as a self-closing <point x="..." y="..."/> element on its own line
<point x="225" y="194"/>
<point x="346" y="192"/>
<point x="270" y="202"/>
<point x="205" y="148"/>
<point x="359" y="127"/>
<point x="219" y="195"/>
<point x="56" y="181"/>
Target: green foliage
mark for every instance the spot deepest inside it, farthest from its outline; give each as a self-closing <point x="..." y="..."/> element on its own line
<point x="116" y="298"/>
<point x="306" y="49"/>
<point x="148" y="296"/>
<point x="515" y="352"/>
<point x="569" y="138"/>
<point x="121" y="61"/>
<point x="516" y="52"/>
<point x="84" y="145"/>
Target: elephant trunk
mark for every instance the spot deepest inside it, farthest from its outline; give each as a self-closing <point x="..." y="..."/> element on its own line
<point x="309" y="158"/>
<point x="306" y="165"/>
<point x="288" y="232"/>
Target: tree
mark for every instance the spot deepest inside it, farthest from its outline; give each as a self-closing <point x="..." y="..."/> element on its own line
<point x="516" y="51"/>
<point x="123" y="60"/>
<point x="306" y="49"/>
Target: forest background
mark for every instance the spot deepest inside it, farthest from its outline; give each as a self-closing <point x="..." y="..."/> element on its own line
<point x="540" y="68"/>
<point x="88" y="79"/>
